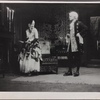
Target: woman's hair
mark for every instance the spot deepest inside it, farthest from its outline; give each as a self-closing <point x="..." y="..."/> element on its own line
<point x="74" y="14"/>
<point x="29" y="25"/>
<point x="32" y="23"/>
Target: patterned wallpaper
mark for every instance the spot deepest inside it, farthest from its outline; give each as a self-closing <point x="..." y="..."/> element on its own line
<point x="56" y="29"/>
<point x="48" y="28"/>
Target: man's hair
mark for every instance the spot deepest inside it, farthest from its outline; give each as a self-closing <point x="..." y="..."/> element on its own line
<point x="74" y="14"/>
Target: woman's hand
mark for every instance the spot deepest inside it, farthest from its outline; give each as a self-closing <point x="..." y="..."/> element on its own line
<point x="21" y="41"/>
<point x="28" y="41"/>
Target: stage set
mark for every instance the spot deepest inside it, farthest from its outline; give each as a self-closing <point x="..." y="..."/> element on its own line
<point x="51" y="21"/>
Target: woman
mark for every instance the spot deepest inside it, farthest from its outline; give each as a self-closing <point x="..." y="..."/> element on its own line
<point x="30" y="56"/>
<point x="74" y="39"/>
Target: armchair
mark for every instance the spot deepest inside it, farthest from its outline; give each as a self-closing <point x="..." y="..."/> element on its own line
<point x="50" y="61"/>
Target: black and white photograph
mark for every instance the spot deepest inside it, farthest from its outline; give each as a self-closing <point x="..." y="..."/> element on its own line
<point x="50" y="47"/>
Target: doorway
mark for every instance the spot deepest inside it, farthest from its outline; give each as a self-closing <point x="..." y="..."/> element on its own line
<point x="95" y="36"/>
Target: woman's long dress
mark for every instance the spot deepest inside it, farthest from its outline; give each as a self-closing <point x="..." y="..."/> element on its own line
<point x="29" y="58"/>
<point x="29" y="62"/>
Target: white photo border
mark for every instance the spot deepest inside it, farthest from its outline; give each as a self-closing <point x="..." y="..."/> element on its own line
<point x="50" y="95"/>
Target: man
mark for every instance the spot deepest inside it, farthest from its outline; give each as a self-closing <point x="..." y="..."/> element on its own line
<point x="74" y="39"/>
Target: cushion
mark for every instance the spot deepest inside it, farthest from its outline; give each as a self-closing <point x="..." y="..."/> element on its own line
<point x="45" y="46"/>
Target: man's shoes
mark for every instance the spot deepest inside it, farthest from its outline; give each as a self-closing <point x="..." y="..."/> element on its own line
<point x="67" y="74"/>
<point x="76" y="74"/>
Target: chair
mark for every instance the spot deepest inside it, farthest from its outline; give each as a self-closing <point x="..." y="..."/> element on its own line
<point x="50" y="61"/>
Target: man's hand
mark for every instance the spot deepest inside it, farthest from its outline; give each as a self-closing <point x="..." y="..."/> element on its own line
<point x="68" y="35"/>
<point x="67" y="38"/>
<point x="80" y="38"/>
<point x="78" y="34"/>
